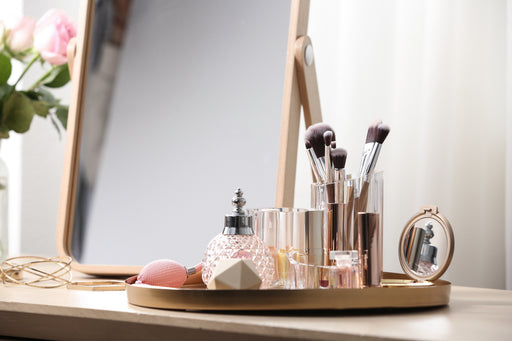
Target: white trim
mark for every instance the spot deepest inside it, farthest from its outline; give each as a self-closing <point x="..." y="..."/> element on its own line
<point x="11" y="149"/>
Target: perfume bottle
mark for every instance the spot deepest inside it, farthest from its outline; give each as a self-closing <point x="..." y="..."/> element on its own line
<point x="238" y="240"/>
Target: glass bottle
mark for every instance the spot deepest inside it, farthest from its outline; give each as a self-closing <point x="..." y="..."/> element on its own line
<point x="347" y="263"/>
<point x="238" y="240"/>
<point x="4" y="233"/>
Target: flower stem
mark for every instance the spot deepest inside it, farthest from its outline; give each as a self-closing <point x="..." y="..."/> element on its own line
<point x="43" y="77"/>
<point x="36" y="57"/>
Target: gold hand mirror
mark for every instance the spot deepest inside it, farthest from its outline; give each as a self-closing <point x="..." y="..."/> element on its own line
<point x="426" y="245"/>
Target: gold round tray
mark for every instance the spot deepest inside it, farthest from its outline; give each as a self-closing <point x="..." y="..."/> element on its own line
<point x="397" y="292"/>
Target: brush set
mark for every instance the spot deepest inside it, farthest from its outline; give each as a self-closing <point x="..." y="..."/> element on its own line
<point x="328" y="162"/>
<point x="352" y="205"/>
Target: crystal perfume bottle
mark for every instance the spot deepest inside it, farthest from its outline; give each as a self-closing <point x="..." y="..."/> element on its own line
<point x="238" y="240"/>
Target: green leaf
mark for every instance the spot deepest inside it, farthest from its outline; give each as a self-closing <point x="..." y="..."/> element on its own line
<point x="4" y="90"/>
<point x="46" y="96"/>
<point x="56" y="125"/>
<point x="41" y="108"/>
<point x="5" y="69"/>
<point x="33" y="95"/>
<point x="59" y="77"/>
<point x="18" y="112"/>
<point x="62" y="115"/>
<point x="4" y="132"/>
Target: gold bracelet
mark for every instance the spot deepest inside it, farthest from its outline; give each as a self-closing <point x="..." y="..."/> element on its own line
<point x="34" y="271"/>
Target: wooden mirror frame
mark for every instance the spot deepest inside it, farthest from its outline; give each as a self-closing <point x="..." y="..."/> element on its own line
<point x="300" y="90"/>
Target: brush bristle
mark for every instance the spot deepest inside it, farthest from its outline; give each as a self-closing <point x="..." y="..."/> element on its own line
<point x="371" y="134"/>
<point x="333" y="144"/>
<point x="328" y="137"/>
<point x="308" y="144"/>
<point x="382" y="133"/>
<point x="315" y="135"/>
<point x="339" y="158"/>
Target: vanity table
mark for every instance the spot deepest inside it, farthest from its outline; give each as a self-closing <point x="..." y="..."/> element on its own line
<point x="62" y="314"/>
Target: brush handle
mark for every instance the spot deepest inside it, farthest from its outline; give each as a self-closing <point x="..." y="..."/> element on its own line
<point x="339" y="174"/>
<point x="328" y="165"/>
<point x="314" y="168"/>
<point x="360" y="203"/>
<point x="364" y="158"/>
<point x="362" y="200"/>
<point x="321" y="166"/>
<point x="339" y="179"/>
<point x="335" y="219"/>
<point x="350" y="208"/>
<point x="373" y="157"/>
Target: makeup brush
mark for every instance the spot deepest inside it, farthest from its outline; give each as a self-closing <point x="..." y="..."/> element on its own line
<point x="380" y="137"/>
<point x="368" y="168"/>
<point x="333" y="144"/>
<point x="313" y="162"/>
<point x="339" y="158"/>
<point x="315" y="135"/>
<point x="371" y="136"/>
<point x="328" y="165"/>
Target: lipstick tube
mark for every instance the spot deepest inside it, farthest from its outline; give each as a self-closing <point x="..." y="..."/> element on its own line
<point x="370" y="248"/>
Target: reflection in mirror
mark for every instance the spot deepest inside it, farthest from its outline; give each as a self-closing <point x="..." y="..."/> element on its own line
<point x="182" y="106"/>
<point x="425" y="244"/>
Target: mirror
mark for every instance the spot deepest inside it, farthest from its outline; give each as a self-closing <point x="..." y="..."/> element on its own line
<point x="426" y="245"/>
<point x="177" y="104"/>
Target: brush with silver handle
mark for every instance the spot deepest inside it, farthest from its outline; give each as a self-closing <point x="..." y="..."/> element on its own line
<point x="315" y="135"/>
<point x="329" y="176"/>
<point x="314" y="163"/>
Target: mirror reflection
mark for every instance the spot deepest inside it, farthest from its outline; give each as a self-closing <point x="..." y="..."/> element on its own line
<point x="182" y="106"/>
<point x="425" y="247"/>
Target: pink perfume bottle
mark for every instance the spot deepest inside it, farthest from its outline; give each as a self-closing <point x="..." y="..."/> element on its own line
<point x="238" y="240"/>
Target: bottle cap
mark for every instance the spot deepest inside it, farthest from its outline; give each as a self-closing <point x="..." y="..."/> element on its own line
<point x="238" y="222"/>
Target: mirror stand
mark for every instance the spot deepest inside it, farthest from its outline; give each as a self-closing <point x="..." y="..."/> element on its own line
<point x="300" y="91"/>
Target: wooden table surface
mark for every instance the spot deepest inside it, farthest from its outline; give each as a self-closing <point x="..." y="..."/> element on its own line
<point x="62" y="314"/>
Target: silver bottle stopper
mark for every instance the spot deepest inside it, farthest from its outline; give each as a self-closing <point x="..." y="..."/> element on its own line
<point x="238" y="222"/>
<point x="429" y="251"/>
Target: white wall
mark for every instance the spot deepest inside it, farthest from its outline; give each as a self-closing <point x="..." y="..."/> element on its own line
<point x="42" y="154"/>
<point x="435" y="72"/>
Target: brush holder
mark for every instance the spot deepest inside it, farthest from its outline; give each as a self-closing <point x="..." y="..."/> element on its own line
<point x="290" y="229"/>
<point x="353" y="220"/>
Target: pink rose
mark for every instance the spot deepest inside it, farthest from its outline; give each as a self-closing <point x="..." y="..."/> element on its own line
<point x="53" y="32"/>
<point x="19" y="37"/>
